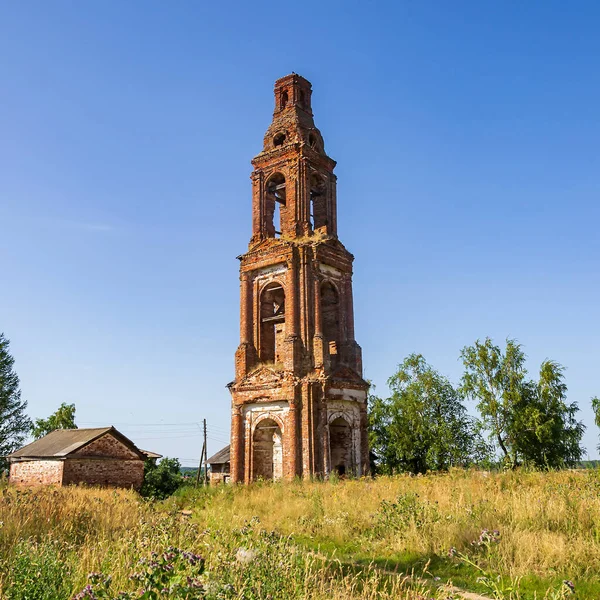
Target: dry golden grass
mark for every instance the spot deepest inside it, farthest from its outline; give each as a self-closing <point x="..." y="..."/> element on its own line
<point x="549" y="526"/>
<point x="549" y="522"/>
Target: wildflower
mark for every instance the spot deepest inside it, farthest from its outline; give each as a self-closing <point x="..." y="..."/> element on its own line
<point x="570" y="585"/>
<point x="487" y="537"/>
<point x="452" y="552"/>
<point x="194" y="583"/>
<point x="245" y="556"/>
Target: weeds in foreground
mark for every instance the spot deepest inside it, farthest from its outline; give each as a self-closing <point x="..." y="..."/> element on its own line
<point x="515" y="535"/>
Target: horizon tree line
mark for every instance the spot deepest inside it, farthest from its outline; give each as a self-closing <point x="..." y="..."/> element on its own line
<point x="423" y="425"/>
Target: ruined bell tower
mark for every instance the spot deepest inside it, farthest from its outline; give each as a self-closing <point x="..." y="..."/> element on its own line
<point x="299" y="402"/>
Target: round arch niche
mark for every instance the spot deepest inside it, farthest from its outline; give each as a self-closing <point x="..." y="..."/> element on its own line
<point x="340" y="445"/>
<point x="267" y="451"/>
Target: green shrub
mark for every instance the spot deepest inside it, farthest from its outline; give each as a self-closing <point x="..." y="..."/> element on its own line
<point x="37" y="571"/>
<point x="162" y="479"/>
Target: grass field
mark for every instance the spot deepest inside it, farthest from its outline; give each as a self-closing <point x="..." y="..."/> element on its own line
<point x="509" y="535"/>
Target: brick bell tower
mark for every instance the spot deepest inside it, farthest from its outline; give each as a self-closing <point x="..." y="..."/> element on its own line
<point x="299" y="402"/>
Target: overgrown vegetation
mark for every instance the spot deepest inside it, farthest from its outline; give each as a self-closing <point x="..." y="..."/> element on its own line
<point x="161" y="479"/>
<point x="424" y="426"/>
<point x="509" y="535"/>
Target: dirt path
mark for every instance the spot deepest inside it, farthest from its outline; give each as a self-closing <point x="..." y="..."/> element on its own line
<point x="429" y="582"/>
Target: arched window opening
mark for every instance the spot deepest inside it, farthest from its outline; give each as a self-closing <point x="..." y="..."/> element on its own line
<point x="340" y="444"/>
<point x="318" y="202"/>
<point x="267" y="457"/>
<point x="330" y="312"/>
<point x="302" y="98"/>
<point x="279" y="139"/>
<point x="284" y="99"/>
<point x="275" y="205"/>
<point x="272" y="323"/>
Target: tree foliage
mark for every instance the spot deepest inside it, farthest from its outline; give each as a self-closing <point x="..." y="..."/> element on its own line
<point x="14" y="423"/>
<point x="423" y="425"/>
<point x="530" y="421"/>
<point x="63" y="418"/>
<point x="162" y="479"/>
<point x="596" y="409"/>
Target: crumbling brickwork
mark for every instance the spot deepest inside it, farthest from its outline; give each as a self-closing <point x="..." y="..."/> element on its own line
<point x="104" y="472"/>
<point x="107" y="446"/>
<point x="298" y="398"/>
<point x="36" y="472"/>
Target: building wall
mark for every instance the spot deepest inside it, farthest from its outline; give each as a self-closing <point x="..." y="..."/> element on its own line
<point x="104" y="472"/>
<point x="107" y="446"/>
<point x="36" y="472"/>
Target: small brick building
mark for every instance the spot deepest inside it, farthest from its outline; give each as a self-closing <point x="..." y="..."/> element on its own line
<point x="100" y="456"/>
<point x="219" y="466"/>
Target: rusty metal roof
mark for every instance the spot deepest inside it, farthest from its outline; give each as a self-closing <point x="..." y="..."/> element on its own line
<point x="221" y="457"/>
<point x="149" y="454"/>
<point x="62" y="442"/>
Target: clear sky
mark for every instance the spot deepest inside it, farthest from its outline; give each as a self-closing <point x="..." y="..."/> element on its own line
<point x="467" y="140"/>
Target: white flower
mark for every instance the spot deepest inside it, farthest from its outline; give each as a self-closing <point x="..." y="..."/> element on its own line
<point x="245" y="555"/>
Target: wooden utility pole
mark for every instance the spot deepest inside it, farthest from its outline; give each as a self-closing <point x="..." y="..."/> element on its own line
<point x="205" y="455"/>
<point x="202" y="454"/>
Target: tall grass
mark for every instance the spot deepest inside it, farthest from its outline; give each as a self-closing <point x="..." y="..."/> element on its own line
<point x="548" y="522"/>
<point x="347" y="539"/>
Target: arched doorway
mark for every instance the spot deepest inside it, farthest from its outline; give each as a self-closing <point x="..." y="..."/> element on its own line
<point x="340" y="444"/>
<point x="267" y="451"/>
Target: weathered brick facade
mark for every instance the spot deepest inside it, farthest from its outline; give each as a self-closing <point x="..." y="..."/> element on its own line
<point x="104" y="472"/>
<point x="107" y="459"/>
<point x="107" y="446"/>
<point x="298" y="398"/>
<point x="36" y="472"/>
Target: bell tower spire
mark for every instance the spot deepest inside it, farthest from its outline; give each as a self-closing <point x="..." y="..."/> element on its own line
<point x="293" y="152"/>
<point x="298" y="398"/>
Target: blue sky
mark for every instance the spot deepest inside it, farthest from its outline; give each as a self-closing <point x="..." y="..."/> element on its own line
<point x="466" y="135"/>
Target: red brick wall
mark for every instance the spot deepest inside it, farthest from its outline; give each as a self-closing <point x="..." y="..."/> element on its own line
<point x="36" y="472"/>
<point x="104" y="471"/>
<point x="107" y="446"/>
